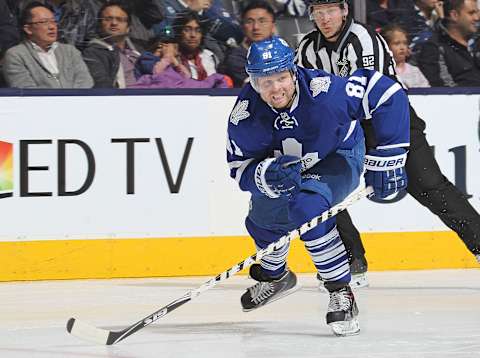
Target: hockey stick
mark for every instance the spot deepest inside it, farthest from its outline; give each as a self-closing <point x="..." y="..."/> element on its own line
<point x="106" y="337"/>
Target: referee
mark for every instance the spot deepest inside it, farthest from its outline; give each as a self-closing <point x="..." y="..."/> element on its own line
<point x="340" y="45"/>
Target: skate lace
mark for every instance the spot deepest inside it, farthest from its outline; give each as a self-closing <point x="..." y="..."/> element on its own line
<point x="261" y="291"/>
<point x="339" y="301"/>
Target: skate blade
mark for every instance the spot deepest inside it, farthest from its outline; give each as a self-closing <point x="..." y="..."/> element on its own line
<point x="345" y="328"/>
<point x="285" y="293"/>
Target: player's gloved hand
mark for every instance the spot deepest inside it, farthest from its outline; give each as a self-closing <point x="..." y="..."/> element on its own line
<point x="385" y="171"/>
<point x="279" y="177"/>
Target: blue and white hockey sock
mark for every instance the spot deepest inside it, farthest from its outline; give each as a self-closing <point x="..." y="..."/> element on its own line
<point x="275" y="263"/>
<point x="329" y="257"/>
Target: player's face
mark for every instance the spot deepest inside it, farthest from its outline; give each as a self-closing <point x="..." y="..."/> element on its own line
<point x="329" y="19"/>
<point x="277" y="90"/>
<point x="399" y="46"/>
<point x="258" y="25"/>
<point x="467" y="17"/>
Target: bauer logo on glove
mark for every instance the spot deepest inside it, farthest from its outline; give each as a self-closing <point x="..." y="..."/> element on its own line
<point x="385" y="171"/>
<point x="379" y="164"/>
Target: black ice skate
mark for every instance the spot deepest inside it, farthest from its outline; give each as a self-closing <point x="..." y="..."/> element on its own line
<point x="358" y="269"/>
<point x="342" y="311"/>
<point x="267" y="289"/>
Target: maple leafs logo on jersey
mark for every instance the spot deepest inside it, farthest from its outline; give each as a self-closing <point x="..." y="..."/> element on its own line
<point x="239" y="112"/>
<point x="319" y="84"/>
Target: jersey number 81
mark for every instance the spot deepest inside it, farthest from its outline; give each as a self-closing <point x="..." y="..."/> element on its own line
<point x="356" y="90"/>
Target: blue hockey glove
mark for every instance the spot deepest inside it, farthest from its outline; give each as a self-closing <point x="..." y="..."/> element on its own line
<point x="279" y="177"/>
<point x="385" y="171"/>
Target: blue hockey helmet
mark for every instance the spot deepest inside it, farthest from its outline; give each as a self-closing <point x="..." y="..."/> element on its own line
<point x="269" y="56"/>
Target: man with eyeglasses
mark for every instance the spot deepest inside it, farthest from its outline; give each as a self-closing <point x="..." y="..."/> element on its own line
<point x="258" y="22"/>
<point x="111" y="57"/>
<point x="448" y="58"/>
<point x="40" y="61"/>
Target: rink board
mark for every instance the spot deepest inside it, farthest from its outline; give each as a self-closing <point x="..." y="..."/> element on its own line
<point x="137" y="185"/>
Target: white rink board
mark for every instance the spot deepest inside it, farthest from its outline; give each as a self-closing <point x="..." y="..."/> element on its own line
<point x="208" y="202"/>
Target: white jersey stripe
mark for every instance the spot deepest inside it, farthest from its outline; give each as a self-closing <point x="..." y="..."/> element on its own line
<point x="399" y="145"/>
<point x="388" y="93"/>
<point x="350" y="130"/>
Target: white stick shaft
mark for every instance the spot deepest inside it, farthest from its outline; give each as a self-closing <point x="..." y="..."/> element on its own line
<point x="98" y="335"/>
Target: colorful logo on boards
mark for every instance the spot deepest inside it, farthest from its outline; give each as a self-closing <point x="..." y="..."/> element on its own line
<point x="6" y="169"/>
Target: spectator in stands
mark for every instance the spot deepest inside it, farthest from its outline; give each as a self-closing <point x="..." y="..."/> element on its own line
<point x="111" y="58"/>
<point x="9" y="32"/>
<point x="189" y="34"/>
<point x="258" y="21"/>
<point x="380" y="13"/>
<point x="161" y="67"/>
<point x="77" y="19"/>
<point x="430" y="10"/>
<point x="445" y="59"/>
<point x="397" y="40"/>
<point x="40" y="61"/>
<point x="217" y="21"/>
<point x="420" y="28"/>
<point x="161" y="55"/>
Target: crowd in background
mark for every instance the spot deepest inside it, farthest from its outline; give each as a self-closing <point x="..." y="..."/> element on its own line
<point x="203" y="43"/>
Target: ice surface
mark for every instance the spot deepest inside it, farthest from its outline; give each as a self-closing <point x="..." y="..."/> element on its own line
<point x="405" y="314"/>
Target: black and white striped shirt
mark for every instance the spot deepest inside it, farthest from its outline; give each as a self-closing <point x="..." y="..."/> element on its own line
<point x="356" y="47"/>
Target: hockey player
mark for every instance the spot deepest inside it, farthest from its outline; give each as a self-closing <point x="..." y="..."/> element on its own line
<point x="339" y="45"/>
<point x="295" y="143"/>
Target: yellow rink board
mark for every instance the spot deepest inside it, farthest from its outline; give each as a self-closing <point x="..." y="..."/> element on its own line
<point x="114" y="258"/>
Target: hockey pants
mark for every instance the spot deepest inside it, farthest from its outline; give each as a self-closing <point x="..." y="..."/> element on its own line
<point x="336" y="176"/>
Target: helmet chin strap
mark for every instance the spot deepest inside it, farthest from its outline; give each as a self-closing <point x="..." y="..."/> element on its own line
<point x="294" y="95"/>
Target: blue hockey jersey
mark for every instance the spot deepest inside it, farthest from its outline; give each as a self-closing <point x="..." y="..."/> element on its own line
<point x="323" y="117"/>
